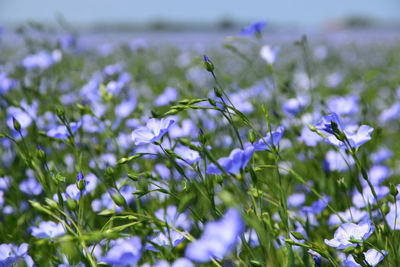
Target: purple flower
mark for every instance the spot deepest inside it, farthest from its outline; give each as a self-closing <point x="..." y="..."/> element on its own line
<point x="218" y="239"/>
<point x="124" y="252"/>
<point x="61" y="131"/>
<point x="372" y="257"/>
<point x="254" y="29"/>
<point x="236" y="161"/>
<point x="152" y="132"/>
<point x="267" y="142"/>
<point x="348" y="234"/>
<point x="48" y="229"/>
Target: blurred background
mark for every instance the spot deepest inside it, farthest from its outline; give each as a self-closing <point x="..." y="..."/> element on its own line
<point x="206" y="18"/>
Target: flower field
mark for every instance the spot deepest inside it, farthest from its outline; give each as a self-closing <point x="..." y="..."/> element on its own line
<point x="240" y="153"/>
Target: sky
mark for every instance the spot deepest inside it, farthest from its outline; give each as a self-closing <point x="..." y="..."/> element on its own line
<point x="307" y="13"/>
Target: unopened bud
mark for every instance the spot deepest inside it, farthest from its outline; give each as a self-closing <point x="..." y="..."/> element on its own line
<point x="385" y="208"/>
<point x="208" y="64"/>
<point x="117" y="197"/>
<point x="72" y="204"/>
<point x="16" y="124"/>
<point x="393" y="190"/>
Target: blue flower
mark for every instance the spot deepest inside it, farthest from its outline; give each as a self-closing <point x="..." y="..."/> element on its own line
<point x="393" y="217"/>
<point x="189" y="155"/>
<point x="152" y="132"/>
<point x="331" y="126"/>
<point x="350" y="215"/>
<point x="218" y="239"/>
<point x="170" y="94"/>
<point x="347" y="233"/>
<point x="124" y="252"/>
<point x="42" y="60"/>
<point x="343" y="105"/>
<point x="48" y="230"/>
<point x="269" y="54"/>
<point x="165" y="238"/>
<point x="30" y="186"/>
<point x="173" y="218"/>
<point x="372" y="257"/>
<point x="11" y="254"/>
<point x="6" y="83"/>
<point x="268" y="142"/>
<point x="236" y="161"/>
<point x="61" y="131"/>
<point x="254" y="29"/>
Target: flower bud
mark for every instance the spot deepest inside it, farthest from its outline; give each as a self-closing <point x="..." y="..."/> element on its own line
<point x="16" y="124"/>
<point x="72" y="204"/>
<point x="208" y="64"/>
<point x="385" y="208"/>
<point x="60" y="112"/>
<point x="117" y="197"/>
<point x="40" y="153"/>
<point x="252" y="136"/>
<point x="202" y="137"/>
<point x="298" y="235"/>
<point x="393" y="190"/>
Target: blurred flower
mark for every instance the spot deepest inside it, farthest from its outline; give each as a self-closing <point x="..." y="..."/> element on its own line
<point x="42" y="60"/>
<point x="350" y="215"/>
<point x="165" y="238"/>
<point x="343" y="105"/>
<point x="309" y="137"/>
<point x="218" y="239"/>
<point x="337" y="161"/>
<point x="30" y="186"/>
<point x="61" y="131"/>
<point x="393" y="217"/>
<point x="11" y="254"/>
<point x="366" y="198"/>
<point x="268" y="141"/>
<point x="125" y="108"/>
<point x="254" y="29"/>
<point x="48" y="229"/>
<point x="391" y="113"/>
<point x="236" y="161"/>
<point x="6" y="83"/>
<point x="269" y="54"/>
<point x="169" y="95"/>
<point x="348" y="234"/>
<point x="189" y="155"/>
<point x="152" y="132"/>
<point x="173" y="218"/>
<point x="124" y="252"/>
<point x="372" y="257"/>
